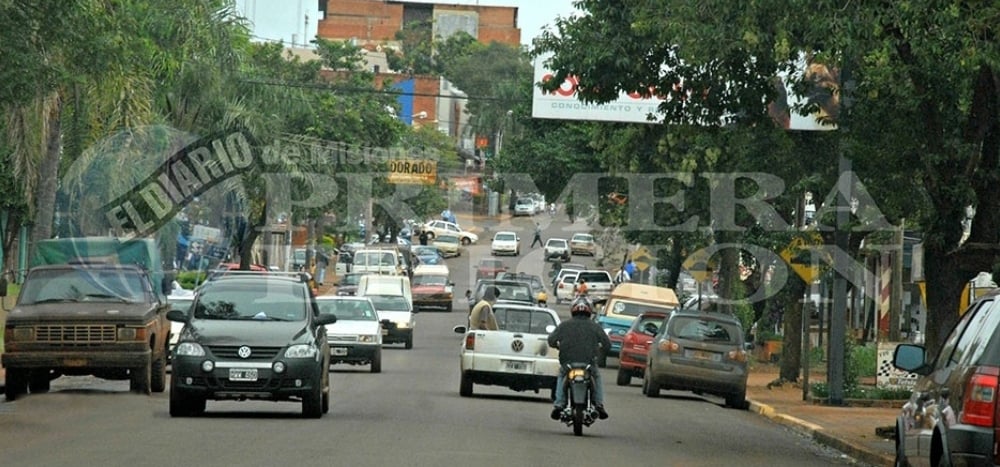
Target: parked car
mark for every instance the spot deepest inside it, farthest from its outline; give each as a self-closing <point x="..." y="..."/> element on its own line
<point x="582" y="244"/>
<point x="252" y="337"/>
<point x="505" y="243"/>
<point x="432" y="287"/>
<point x="524" y="207"/>
<point x="635" y="346"/>
<point x="488" y="268"/>
<point x="951" y="416"/>
<point x="516" y="356"/>
<point x="356" y="337"/>
<point x="702" y="352"/>
<point x="557" y="248"/>
<point x="448" y="245"/>
<point x="626" y="303"/>
<point x="437" y="228"/>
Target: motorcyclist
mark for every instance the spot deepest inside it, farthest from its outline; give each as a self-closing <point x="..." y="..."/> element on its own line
<point x="579" y="340"/>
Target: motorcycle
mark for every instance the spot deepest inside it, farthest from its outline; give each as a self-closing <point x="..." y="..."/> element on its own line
<point x="579" y="387"/>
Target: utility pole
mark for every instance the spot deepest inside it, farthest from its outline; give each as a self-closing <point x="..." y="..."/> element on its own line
<point x="838" y="316"/>
<point x="896" y="292"/>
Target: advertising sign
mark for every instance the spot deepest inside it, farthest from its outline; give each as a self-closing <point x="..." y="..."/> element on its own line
<point x="632" y="108"/>
<point x="412" y="172"/>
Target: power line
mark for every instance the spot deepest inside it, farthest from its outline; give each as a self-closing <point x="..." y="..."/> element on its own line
<point x="391" y="92"/>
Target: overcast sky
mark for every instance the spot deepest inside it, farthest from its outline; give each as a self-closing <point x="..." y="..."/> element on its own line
<point x="283" y="19"/>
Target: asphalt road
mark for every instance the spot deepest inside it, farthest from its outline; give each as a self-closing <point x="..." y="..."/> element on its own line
<point x="411" y="414"/>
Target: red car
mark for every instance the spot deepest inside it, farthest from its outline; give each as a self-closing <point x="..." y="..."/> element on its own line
<point x="635" y="347"/>
<point x="488" y="268"/>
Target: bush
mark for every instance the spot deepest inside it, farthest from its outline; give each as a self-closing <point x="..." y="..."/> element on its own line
<point x="188" y="279"/>
<point x="864" y="359"/>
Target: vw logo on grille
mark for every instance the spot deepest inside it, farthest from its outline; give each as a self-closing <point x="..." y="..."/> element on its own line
<point x="517" y="345"/>
<point x="243" y="352"/>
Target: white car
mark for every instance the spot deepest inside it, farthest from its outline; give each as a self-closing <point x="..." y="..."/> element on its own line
<point x="506" y="243"/>
<point x="524" y="207"/>
<point x="356" y="337"/>
<point x="439" y="227"/>
<point x="517" y="355"/>
<point x="557" y="248"/>
<point x="179" y="299"/>
<point x="566" y="287"/>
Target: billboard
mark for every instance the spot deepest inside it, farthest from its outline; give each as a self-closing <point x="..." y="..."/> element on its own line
<point x="632" y="108"/>
<point x="412" y="172"/>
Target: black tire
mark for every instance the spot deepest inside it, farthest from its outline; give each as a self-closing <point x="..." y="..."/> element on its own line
<point x="900" y="460"/>
<point x="409" y="342"/>
<point x="326" y="396"/>
<point x="158" y="374"/>
<point x="16" y="384"/>
<point x="466" y="241"/>
<point x="377" y="361"/>
<point x="39" y="382"/>
<point x="649" y="387"/>
<point x="448" y="308"/>
<point x="140" y="379"/>
<point x="312" y="403"/>
<point x="737" y="400"/>
<point x="624" y="377"/>
<point x="577" y="421"/>
<point x="185" y="407"/>
<point x="465" y="386"/>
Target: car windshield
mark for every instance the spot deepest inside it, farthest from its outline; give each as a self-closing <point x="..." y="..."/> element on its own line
<point x="505" y="237"/>
<point x="522" y="320"/>
<point x="704" y="330"/>
<point x="348" y="310"/>
<point x="375" y="258"/>
<point x="389" y="302"/>
<point x="83" y="285"/>
<point x="272" y="301"/>
<point x="622" y="307"/>
<point x="583" y="238"/>
<point x="447" y="239"/>
<point x="520" y="292"/>
<point x="556" y="243"/>
<point x="429" y="279"/>
<point x="425" y="251"/>
<point x="599" y="276"/>
<point x="351" y="279"/>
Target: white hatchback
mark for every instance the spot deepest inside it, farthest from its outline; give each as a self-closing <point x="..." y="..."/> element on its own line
<point x="517" y="355"/>
<point x="356" y="337"/>
<point x="506" y="243"/>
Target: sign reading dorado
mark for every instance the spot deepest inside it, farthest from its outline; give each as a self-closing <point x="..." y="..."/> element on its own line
<point x="412" y="172"/>
<point x="186" y="174"/>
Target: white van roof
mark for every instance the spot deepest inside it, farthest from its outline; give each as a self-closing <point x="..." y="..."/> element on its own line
<point x="431" y="269"/>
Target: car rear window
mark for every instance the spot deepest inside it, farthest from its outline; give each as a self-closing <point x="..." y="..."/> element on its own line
<point x="354" y="310"/>
<point x="594" y="276"/>
<point x="429" y="279"/>
<point x="506" y="237"/>
<point x="521" y="320"/>
<point x="622" y="307"/>
<point x="704" y="330"/>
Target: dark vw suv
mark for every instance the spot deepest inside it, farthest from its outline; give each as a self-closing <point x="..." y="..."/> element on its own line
<point x="251" y="336"/>
<point x="952" y="416"/>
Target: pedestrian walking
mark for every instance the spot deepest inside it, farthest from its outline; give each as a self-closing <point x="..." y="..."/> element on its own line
<point x="538" y="236"/>
<point x="322" y="262"/>
<point x="630" y="269"/>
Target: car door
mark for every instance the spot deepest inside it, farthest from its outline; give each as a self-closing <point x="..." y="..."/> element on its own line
<point x="928" y="405"/>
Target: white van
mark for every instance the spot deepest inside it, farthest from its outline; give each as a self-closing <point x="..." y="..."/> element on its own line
<point x="393" y="302"/>
<point x="378" y="261"/>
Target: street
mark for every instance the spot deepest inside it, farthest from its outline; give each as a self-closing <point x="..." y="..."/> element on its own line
<point x="410" y="414"/>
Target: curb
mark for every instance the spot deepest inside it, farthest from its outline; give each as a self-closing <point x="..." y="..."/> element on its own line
<point x="816" y="432"/>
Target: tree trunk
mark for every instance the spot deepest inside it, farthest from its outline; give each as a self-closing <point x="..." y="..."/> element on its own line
<point x="945" y="281"/>
<point x="791" y="348"/>
<point x="48" y="174"/>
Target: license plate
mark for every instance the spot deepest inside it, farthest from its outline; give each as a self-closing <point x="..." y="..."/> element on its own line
<point x="703" y="355"/>
<point x="243" y="374"/>
<point x="75" y="362"/>
<point x="518" y="366"/>
<point x="340" y="351"/>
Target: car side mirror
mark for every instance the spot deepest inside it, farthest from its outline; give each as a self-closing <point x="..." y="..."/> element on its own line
<point x="325" y="319"/>
<point x="460" y="329"/>
<point x="550" y="328"/>
<point x="177" y="316"/>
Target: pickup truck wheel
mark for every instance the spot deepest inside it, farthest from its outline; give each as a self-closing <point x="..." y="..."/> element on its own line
<point x="17" y="384"/>
<point x="409" y="342"/>
<point x="158" y="374"/>
<point x="377" y="361"/>
<point x="449" y="308"/>
<point x="139" y="379"/>
<point x="39" y="382"/>
<point x="465" y="386"/>
<point x="466" y="241"/>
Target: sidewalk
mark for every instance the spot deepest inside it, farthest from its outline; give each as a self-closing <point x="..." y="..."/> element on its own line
<point x="851" y="430"/>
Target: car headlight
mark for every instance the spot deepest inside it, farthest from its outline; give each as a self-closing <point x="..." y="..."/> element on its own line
<point x="403" y="325"/>
<point x="301" y="351"/>
<point x="366" y="338"/>
<point x="22" y="333"/>
<point x="189" y="349"/>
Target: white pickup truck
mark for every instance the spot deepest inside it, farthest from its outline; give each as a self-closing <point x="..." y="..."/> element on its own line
<point x="599" y="283"/>
<point x="517" y="355"/>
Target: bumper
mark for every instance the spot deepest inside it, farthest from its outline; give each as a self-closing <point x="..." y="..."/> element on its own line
<point x="516" y="382"/>
<point x="352" y="352"/>
<point x="301" y="378"/>
<point x="693" y="378"/>
<point x="563" y="255"/>
<point x="397" y="335"/>
<point x="79" y="359"/>
<point x="431" y="302"/>
<point x="970" y="445"/>
<point x="631" y="360"/>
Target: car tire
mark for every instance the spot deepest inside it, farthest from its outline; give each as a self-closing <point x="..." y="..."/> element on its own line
<point x="466" y="241"/>
<point x="312" y="403"/>
<point x="649" y="387"/>
<point x="737" y="400"/>
<point x="449" y="308"/>
<point x="16" y="384"/>
<point x="39" y="382"/>
<point x="624" y="377"/>
<point x="158" y="374"/>
<point x="377" y="361"/>
<point x="409" y="342"/>
<point x="326" y="394"/>
<point x="140" y="379"/>
<point x="465" y="385"/>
